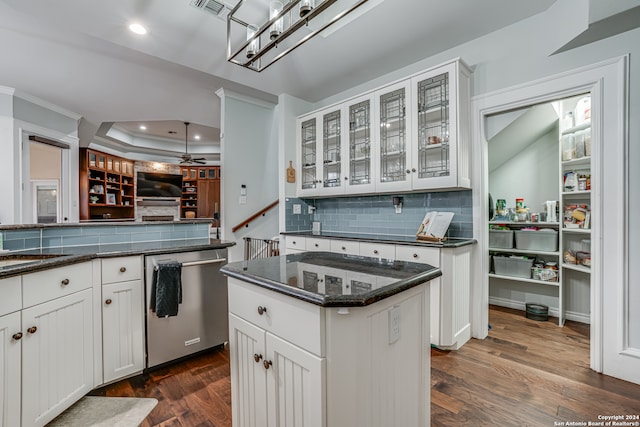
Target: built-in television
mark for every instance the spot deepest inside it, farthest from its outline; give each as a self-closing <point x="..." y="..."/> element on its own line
<point x="155" y="184"/>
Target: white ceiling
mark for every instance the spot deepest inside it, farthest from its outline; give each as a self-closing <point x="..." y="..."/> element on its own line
<point x="80" y="55"/>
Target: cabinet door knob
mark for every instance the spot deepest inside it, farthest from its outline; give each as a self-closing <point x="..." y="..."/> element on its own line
<point x="262" y="310"/>
<point x="346" y="178"/>
<point x="375" y="251"/>
<point x="316" y="245"/>
<point x="413" y="169"/>
<point x="123" y="269"/>
<point x="415" y="255"/>
<point x="108" y="301"/>
<point x="257" y="357"/>
<point x="267" y="364"/>
<point x="65" y="282"/>
<point x="408" y="171"/>
<point x="17" y="336"/>
<point x="344" y="249"/>
<point x="32" y="330"/>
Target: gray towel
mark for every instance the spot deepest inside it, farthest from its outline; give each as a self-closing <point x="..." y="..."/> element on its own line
<point x="166" y="289"/>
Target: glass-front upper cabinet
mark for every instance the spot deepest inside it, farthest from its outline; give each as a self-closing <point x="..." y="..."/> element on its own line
<point x="394" y="148"/>
<point x="307" y="152"/>
<point x="331" y="151"/>
<point x="359" y="177"/>
<point x="440" y="134"/>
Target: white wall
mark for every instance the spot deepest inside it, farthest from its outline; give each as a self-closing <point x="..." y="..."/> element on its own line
<point x="250" y="143"/>
<point x="533" y="174"/>
<point x="522" y="53"/>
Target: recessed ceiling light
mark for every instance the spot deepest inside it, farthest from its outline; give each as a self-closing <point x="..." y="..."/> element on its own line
<point x="196" y="137"/>
<point x="138" y="28"/>
<point x="143" y="127"/>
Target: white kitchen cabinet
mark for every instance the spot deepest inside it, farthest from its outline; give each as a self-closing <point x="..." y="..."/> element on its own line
<point x="440" y="139"/>
<point x="322" y="153"/>
<point x="408" y="136"/>
<point x="306" y="365"/>
<point x="393" y="151"/>
<point x="273" y="379"/>
<point x="57" y="356"/>
<point x="450" y="294"/>
<point x="10" y="361"/>
<point x="122" y="317"/>
<point x="361" y="144"/>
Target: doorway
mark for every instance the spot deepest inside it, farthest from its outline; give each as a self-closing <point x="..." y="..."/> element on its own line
<point x="43" y="170"/>
<point x="614" y="338"/>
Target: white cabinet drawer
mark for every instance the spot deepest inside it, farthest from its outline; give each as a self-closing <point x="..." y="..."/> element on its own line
<point x="10" y="295"/>
<point x="293" y="320"/>
<point x="315" y="244"/>
<point x="424" y="255"/>
<point x="55" y="283"/>
<point x="348" y="247"/>
<point x="295" y="242"/>
<point x="121" y="269"/>
<point x="377" y="250"/>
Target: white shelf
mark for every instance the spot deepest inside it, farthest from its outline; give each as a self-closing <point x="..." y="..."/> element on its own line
<point x="577" y="230"/>
<point x="432" y="146"/>
<point x="576" y="193"/>
<point x="576" y="267"/>
<point x="582" y="161"/>
<point x="523" y="251"/>
<point x="526" y="223"/>
<point x="580" y="127"/>
<point x="520" y="279"/>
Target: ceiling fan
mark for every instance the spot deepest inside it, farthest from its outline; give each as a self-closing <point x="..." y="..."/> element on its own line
<point x="186" y="157"/>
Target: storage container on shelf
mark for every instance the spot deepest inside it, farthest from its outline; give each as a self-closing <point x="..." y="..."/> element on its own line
<point x="568" y="147"/>
<point x="512" y="266"/>
<point x="501" y="239"/>
<point x="537" y="240"/>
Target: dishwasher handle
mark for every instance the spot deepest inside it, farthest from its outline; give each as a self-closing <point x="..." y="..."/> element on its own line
<point x="206" y="261"/>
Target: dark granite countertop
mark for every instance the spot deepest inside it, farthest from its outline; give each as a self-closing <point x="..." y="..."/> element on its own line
<point x="332" y="280"/>
<point x="383" y="238"/>
<point x="42" y="259"/>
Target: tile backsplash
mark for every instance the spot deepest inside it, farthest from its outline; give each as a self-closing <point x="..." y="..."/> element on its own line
<point x="82" y="235"/>
<point x="376" y="214"/>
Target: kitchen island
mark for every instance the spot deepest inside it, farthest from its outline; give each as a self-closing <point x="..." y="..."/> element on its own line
<point x="324" y="339"/>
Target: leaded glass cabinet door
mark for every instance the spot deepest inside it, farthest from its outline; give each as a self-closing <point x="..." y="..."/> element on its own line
<point x="360" y="146"/>
<point x="394" y="149"/>
<point x="307" y="156"/>
<point x="332" y="181"/>
<point x="440" y="128"/>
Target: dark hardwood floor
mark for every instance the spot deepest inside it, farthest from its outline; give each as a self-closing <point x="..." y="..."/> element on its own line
<point x="526" y="373"/>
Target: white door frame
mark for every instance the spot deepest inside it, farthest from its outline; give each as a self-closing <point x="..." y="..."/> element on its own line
<point x="608" y="83"/>
<point x="35" y="184"/>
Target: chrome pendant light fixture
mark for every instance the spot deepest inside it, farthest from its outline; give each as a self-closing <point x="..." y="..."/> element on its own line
<point x="258" y="46"/>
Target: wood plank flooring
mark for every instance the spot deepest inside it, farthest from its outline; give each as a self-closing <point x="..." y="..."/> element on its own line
<point x="526" y="373"/>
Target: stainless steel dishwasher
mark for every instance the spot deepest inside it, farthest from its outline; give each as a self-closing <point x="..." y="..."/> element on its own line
<point x="202" y="320"/>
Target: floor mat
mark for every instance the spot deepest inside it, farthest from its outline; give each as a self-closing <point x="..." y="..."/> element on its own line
<point x="105" y="411"/>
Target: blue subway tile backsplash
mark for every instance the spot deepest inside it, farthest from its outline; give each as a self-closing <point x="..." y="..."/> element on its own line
<point x="51" y="237"/>
<point x="376" y="214"/>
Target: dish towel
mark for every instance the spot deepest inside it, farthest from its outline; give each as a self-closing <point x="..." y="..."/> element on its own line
<point x="166" y="289"/>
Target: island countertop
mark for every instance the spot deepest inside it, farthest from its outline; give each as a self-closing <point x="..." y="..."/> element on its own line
<point x="330" y="279"/>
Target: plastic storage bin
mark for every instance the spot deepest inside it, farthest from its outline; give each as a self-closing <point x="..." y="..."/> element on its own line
<point x="540" y="240"/>
<point x="514" y="267"/>
<point x="502" y="239"/>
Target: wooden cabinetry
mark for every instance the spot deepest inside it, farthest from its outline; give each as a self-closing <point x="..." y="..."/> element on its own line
<point x="200" y="192"/>
<point x="106" y="186"/>
<point x="122" y="317"/>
